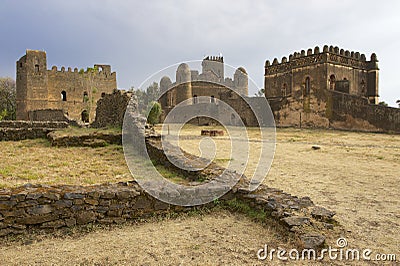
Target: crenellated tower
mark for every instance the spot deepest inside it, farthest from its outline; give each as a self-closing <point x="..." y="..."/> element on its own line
<point x="306" y="72"/>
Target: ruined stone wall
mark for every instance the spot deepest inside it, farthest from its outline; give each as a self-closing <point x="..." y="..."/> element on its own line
<point x="44" y="206"/>
<point x="111" y="109"/>
<point x="332" y="109"/>
<point x="349" y="112"/>
<point x="20" y="130"/>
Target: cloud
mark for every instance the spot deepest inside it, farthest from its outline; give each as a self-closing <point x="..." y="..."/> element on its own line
<point x="139" y="38"/>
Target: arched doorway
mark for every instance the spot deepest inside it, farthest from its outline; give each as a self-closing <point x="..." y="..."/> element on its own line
<point x="85" y="116"/>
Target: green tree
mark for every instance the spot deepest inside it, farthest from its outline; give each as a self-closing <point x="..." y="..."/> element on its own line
<point x="7" y="98"/>
<point x="154" y="113"/>
<point x="260" y="93"/>
<point x="383" y="103"/>
<point x="146" y="97"/>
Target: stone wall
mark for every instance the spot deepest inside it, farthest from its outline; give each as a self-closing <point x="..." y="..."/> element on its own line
<point x="48" y="115"/>
<point x="44" y="206"/>
<point x="19" y="130"/>
<point x="346" y="108"/>
<point x="111" y="109"/>
<point x="336" y="110"/>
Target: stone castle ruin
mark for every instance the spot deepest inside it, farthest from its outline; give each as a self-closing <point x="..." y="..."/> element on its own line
<point x="210" y="85"/>
<point x="54" y="94"/>
<point x="332" y="88"/>
<point x="328" y="88"/>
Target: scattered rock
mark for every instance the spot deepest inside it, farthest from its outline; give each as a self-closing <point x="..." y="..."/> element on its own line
<point x="312" y="241"/>
<point x="316" y="147"/>
<point x="296" y="220"/>
<point x="322" y="213"/>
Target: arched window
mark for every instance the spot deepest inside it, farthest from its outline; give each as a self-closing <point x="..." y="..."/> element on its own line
<point x="64" y="96"/>
<point x="332" y="80"/>
<point x="307" y="86"/>
<point x="194" y="99"/>
<point x="212" y="100"/>
<point x="363" y="91"/>
<point x="85" y="116"/>
<point x="36" y="68"/>
<point x="85" y="97"/>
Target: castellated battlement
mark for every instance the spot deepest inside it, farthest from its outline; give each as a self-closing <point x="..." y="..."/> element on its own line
<point x="215" y="58"/>
<point x="328" y="54"/>
<point x="98" y="70"/>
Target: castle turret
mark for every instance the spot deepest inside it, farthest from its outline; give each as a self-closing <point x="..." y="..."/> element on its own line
<point x="165" y="84"/>
<point x="183" y="82"/>
<point x="241" y="81"/>
<point x="373" y="78"/>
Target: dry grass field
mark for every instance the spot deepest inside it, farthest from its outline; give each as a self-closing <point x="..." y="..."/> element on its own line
<point x="354" y="174"/>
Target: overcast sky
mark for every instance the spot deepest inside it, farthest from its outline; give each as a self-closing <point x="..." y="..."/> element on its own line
<point x="139" y="38"/>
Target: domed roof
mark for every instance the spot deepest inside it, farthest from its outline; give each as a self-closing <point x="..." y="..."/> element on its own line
<point x="241" y="69"/>
<point x="165" y="81"/>
<point x="183" y="68"/>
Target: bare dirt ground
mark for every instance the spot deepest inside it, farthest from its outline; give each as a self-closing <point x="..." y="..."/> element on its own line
<point x="354" y="174"/>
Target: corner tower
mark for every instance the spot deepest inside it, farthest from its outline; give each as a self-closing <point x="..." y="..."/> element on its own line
<point x="32" y="80"/>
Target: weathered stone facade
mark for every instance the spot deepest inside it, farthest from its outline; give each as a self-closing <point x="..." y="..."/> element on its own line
<point x="211" y="82"/>
<point x="73" y="92"/>
<point x="331" y="88"/>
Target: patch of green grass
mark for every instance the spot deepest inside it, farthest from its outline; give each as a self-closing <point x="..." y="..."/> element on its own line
<point x="6" y="171"/>
<point x="245" y="208"/>
<point x="76" y="131"/>
<point x="28" y="175"/>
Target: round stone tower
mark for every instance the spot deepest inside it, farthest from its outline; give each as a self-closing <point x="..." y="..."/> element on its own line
<point x="183" y="83"/>
<point x="165" y="99"/>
